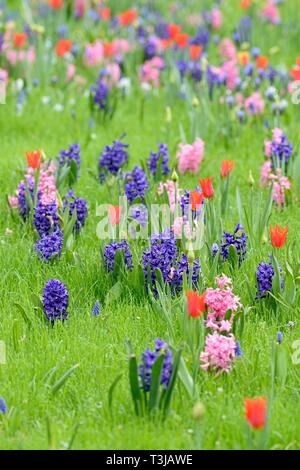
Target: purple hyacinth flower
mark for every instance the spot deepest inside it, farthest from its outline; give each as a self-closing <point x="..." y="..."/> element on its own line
<point x="72" y="153"/>
<point x="110" y="252"/>
<point x="55" y="300"/>
<point x="79" y="205"/>
<point x="45" y="218"/>
<point x="237" y="239"/>
<point x="160" y="157"/>
<point x="136" y="184"/>
<point x="50" y="246"/>
<point x="112" y="159"/>
<point x="148" y="359"/>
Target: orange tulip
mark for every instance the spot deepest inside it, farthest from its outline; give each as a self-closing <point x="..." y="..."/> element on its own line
<point x="244" y="58"/>
<point x="196" y="303"/>
<point x="278" y="236"/>
<point x="262" y="62"/>
<point x="19" y="40"/>
<point x="207" y="187"/>
<point x="226" y="167"/>
<point x="33" y="158"/>
<point x="196" y="199"/>
<point x="195" y="52"/>
<point x="114" y="214"/>
<point x="256" y="411"/>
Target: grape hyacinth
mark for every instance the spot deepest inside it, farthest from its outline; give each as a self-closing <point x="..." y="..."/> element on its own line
<point x="112" y="158"/>
<point x="162" y="156"/>
<point x="96" y="309"/>
<point x="238" y="239"/>
<point x="264" y="277"/>
<point x="110" y="252"/>
<point x="80" y="205"/>
<point x="45" y="218"/>
<point x="50" y="246"/>
<point x="55" y="300"/>
<point x="148" y="359"/>
<point x="136" y="184"/>
<point x="72" y="153"/>
<point x="3" y="407"/>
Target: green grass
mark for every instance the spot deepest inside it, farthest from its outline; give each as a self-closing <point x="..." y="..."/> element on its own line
<point x="38" y="355"/>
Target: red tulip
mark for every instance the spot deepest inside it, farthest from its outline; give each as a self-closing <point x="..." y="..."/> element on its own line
<point x="295" y="73"/>
<point x="63" y="46"/>
<point x="207" y="187"/>
<point x="105" y="14"/>
<point x="19" y="40"/>
<point x="56" y="4"/>
<point x="108" y="49"/>
<point x="128" y="17"/>
<point x="174" y="30"/>
<point x="227" y="167"/>
<point x="278" y="236"/>
<point x="196" y="199"/>
<point x="182" y="40"/>
<point x="114" y="214"/>
<point x="196" y="303"/>
<point x="256" y="411"/>
<point x="195" y="52"/>
<point x="33" y="158"/>
<point x="245" y="4"/>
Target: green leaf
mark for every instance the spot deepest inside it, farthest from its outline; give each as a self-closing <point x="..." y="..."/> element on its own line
<point x="134" y="385"/>
<point x="112" y="388"/>
<point x="155" y="382"/>
<point x="73" y="173"/>
<point x="114" y="293"/>
<point x="186" y="377"/>
<point x="281" y="363"/>
<point x="264" y="218"/>
<point x="232" y="256"/>
<point x="16" y="335"/>
<point x="23" y="313"/>
<point x="169" y="392"/>
<point x="289" y="288"/>
<point x="63" y="379"/>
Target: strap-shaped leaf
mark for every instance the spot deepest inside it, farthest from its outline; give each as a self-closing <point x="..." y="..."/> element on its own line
<point x="155" y="382"/>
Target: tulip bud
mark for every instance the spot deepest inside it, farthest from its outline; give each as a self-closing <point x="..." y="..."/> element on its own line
<point x="175" y="177"/>
<point x="168" y="115"/>
<point x="264" y="238"/>
<point x="191" y="254"/>
<point x="251" y="181"/>
<point x="195" y="102"/>
<point x="198" y="411"/>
